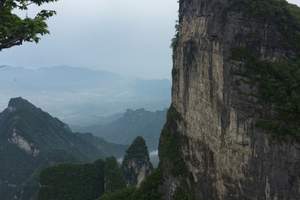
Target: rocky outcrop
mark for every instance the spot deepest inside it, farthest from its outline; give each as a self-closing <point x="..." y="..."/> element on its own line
<point x="136" y="165"/>
<point x="211" y="147"/>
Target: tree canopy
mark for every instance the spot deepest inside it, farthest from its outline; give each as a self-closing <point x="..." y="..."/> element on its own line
<point x="14" y="30"/>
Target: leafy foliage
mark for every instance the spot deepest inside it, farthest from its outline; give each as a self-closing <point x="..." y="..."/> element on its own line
<point x="175" y="39"/>
<point x="73" y="182"/>
<point x="182" y="193"/>
<point x="125" y="194"/>
<point x="114" y="179"/>
<point x="77" y="182"/>
<point x="149" y="190"/>
<point x="169" y="151"/>
<point x="15" y="30"/>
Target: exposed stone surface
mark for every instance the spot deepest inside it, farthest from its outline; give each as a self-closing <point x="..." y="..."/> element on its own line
<point x="225" y="155"/>
<point x="23" y="144"/>
<point x="136" y="165"/>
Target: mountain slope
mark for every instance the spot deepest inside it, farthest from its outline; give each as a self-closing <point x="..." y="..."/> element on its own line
<point x="31" y="139"/>
<point x="131" y="124"/>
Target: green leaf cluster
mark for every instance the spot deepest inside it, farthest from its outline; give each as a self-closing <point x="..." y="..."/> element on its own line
<point x="81" y="181"/>
<point x="14" y="30"/>
<point x="149" y="190"/>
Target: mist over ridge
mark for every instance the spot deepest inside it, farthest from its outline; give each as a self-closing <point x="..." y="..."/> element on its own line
<point x="81" y="96"/>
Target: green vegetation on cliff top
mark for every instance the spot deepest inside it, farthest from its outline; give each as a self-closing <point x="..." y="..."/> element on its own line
<point x="70" y="181"/>
<point x="149" y="190"/>
<point x="81" y="181"/>
<point x="137" y="150"/>
<point x="278" y="12"/>
<point x="277" y="82"/>
<point x="278" y="92"/>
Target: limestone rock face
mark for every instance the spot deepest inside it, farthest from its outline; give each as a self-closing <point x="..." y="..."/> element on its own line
<point x="223" y="155"/>
<point x="136" y="165"/>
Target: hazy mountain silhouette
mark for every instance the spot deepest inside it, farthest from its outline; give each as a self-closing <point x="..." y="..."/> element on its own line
<point x="81" y="96"/>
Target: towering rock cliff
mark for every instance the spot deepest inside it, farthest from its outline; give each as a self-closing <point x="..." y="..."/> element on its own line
<point x="212" y="146"/>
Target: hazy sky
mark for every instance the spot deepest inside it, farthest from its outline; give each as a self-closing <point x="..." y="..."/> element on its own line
<point x="125" y="36"/>
<point x="295" y="1"/>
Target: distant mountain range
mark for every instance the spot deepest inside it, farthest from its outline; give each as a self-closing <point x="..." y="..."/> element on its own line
<point x="31" y="139"/>
<point x="126" y="127"/>
<point x="81" y="96"/>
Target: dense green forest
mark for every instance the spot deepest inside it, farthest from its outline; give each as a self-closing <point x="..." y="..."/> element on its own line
<point x="103" y="177"/>
<point x="81" y="181"/>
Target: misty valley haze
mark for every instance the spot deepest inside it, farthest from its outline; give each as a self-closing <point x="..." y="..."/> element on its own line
<point x="81" y="96"/>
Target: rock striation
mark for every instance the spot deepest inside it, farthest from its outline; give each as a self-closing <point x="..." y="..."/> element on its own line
<point x="211" y="147"/>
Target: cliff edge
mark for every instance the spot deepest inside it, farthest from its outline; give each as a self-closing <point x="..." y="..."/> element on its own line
<point x="233" y="128"/>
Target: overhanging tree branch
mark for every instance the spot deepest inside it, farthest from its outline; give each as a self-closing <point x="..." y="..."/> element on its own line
<point x="14" y="30"/>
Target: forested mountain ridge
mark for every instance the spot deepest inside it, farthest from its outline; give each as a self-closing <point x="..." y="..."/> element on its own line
<point x="31" y="139"/>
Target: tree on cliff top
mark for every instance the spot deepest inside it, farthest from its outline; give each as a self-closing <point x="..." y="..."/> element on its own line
<point x="136" y="165"/>
<point x="14" y="30"/>
<point x="137" y="150"/>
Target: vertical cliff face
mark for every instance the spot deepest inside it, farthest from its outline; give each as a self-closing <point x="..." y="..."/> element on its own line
<point x="211" y="147"/>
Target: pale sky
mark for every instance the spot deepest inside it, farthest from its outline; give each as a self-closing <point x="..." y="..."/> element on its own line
<point x="130" y="37"/>
<point x="126" y="36"/>
<point x="295" y="2"/>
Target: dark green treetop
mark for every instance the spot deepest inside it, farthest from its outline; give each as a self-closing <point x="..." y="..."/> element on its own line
<point x="137" y="150"/>
<point x="136" y="162"/>
<point x="72" y="181"/>
<point x="81" y="181"/>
